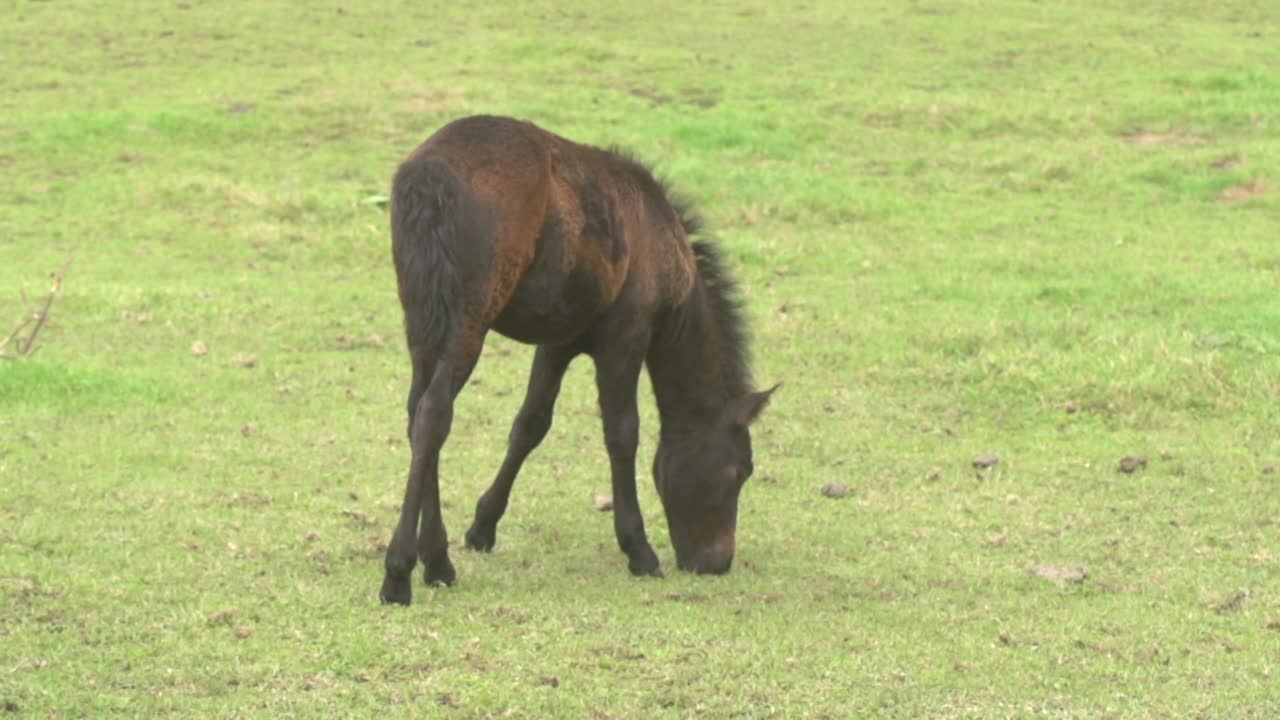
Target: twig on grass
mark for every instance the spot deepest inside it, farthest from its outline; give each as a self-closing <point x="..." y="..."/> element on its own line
<point x="35" y="320"/>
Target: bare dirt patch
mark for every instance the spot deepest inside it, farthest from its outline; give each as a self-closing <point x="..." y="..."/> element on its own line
<point x="1244" y="191"/>
<point x="436" y="101"/>
<point x="1227" y="162"/>
<point x="1060" y="574"/>
<point x="1143" y="137"/>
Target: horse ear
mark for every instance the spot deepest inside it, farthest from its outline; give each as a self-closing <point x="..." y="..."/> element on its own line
<point x="744" y="411"/>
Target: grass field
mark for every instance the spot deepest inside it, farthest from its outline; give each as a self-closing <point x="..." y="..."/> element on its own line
<point x="1048" y="231"/>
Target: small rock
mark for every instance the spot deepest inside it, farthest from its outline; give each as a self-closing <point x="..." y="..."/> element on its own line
<point x="1072" y="408"/>
<point x="603" y="503"/>
<point x="836" y="490"/>
<point x="986" y="460"/>
<point x="1060" y="574"/>
<point x="1131" y="463"/>
<point x="199" y="349"/>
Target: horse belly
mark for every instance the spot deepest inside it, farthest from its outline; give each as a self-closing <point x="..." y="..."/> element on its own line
<point x="552" y="310"/>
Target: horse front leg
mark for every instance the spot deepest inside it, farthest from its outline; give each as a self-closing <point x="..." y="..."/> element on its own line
<point x="530" y="427"/>
<point x="617" y="376"/>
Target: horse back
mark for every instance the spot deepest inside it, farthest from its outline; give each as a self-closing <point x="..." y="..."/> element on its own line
<point x="551" y="234"/>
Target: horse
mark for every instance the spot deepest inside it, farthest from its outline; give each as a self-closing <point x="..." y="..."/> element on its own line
<point x="498" y="224"/>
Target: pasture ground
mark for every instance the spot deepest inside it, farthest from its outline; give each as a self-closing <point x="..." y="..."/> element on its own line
<point x="1047" y="231"/>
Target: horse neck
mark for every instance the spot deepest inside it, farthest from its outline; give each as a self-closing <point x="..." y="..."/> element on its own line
<point x="692" y="366"/>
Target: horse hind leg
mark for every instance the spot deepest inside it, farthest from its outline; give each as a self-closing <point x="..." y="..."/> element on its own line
<point x="530" y="427"/>
<point x="402" y="554"/>
<point x="420" y="533"/>
<point x="437" y="406"/>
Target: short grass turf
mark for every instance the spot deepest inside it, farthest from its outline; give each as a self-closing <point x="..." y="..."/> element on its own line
<point x="1044" y="231"/>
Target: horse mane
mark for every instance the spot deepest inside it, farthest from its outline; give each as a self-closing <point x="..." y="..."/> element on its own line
<point x="723" y="296"/>
<point x="725" y="300"/>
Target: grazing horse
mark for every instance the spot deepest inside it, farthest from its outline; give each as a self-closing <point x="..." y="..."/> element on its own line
<point x="499" y="224"/>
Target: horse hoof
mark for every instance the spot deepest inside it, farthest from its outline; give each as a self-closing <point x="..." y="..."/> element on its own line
<point x="396" y="591"/>
<point x="480" y="541"/>
<point x="441" y="574"/>
<point x="646" y="567"/>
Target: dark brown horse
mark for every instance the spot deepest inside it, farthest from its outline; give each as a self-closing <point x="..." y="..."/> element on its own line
<point x="498" y="224"/>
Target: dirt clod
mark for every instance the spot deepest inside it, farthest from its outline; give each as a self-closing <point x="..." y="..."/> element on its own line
<point x="1233" y="604"/>
<point x="358" y="516"/>
<point x="1132" y="463"/>
<point x="835" y="490"/>
<point x="603" y="503"/>
<point x="986" y="460"/>
<point x="199" y="349"/>
<point x="222" y="617"/>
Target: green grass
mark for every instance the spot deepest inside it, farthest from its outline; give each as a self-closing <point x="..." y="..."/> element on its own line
<point x="1047" y="231"/>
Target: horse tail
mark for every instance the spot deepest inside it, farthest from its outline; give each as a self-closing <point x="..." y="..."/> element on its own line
<point x="425" y="210"/>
